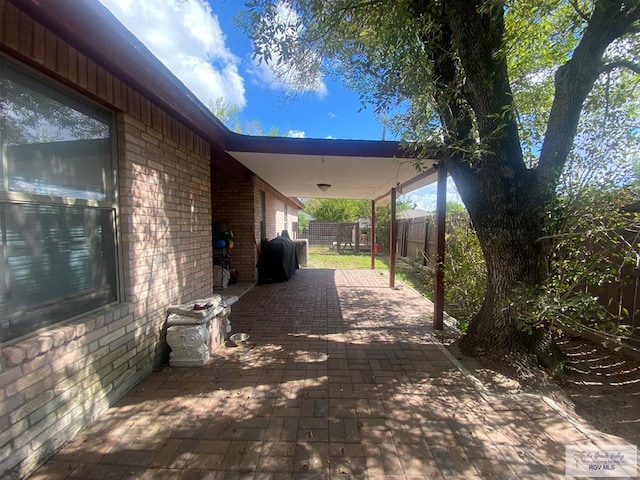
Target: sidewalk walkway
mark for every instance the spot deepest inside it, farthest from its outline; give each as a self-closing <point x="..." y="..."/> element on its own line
<point x="342" y="380"/>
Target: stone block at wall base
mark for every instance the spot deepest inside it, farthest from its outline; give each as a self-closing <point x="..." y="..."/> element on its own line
<point x="193" y="335"/>
<point x="218" y="328"/>
<point x="188" y="345"/>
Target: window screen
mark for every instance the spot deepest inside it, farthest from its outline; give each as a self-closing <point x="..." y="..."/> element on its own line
<point x="57" y="205"/>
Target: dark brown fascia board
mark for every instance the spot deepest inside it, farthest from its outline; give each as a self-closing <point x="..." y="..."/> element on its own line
<point x="422" y="175"/>
<point x="313" y="146"/>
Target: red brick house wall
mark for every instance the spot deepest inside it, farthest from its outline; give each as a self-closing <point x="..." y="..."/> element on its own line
<point x="237" y="201"/>
<point x="55" y="382"/>
<point x="232" y="202"/>
<point x="275" y="207"/>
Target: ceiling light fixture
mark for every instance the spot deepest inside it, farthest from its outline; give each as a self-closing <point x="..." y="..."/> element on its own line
<point x="322" y="185"/>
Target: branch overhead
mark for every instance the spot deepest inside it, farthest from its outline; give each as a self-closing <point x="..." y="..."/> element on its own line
<point x="621" y="64"/>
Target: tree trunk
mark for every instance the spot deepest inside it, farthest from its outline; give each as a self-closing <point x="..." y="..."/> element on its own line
<point x="513" y="259"/>
<point x="507" y="201"/>
<point x="508" y="214"/>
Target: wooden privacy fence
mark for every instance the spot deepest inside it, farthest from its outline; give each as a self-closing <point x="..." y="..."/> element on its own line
<point x="624" y="295"/>
<point x="417" y="237"/>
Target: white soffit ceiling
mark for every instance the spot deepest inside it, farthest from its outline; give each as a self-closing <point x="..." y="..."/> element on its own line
<point x="363" y="178"/>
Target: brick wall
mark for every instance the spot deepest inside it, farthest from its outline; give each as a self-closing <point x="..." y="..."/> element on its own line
<point x="275" y="207"/>
<point x="57" y="381"/>
<point x="237" y="201"/>
<point x="232" y="202"/>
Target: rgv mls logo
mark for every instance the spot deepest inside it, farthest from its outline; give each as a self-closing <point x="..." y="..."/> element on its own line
<point x="620" y="461"/>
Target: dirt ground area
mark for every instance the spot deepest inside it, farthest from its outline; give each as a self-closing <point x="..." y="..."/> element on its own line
<point x="597" y="385"/>
<point x="604" y="387"/>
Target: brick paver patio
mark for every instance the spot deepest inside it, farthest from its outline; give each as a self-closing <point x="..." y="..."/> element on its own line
<point x="343" y="380"/>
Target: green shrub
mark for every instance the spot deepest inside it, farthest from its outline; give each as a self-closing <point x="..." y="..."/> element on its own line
<point x="464" y="270"/>
<point x="596" y="240"/>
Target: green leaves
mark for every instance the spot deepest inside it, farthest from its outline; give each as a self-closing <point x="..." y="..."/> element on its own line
<point x="548" y="307"/>
<point x="464" y="267"/>
<point x="336" y="210"/>
<point x="595" y="244"/>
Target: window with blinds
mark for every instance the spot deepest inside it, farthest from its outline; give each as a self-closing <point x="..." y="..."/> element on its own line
<point x="57" y="204"/>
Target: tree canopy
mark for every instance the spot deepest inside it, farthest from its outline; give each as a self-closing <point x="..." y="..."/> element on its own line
<point x="337" y="210"/>
<point x="506" y="94"/>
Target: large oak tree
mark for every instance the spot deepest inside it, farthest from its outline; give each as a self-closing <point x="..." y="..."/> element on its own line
<point x="496" y="88"/>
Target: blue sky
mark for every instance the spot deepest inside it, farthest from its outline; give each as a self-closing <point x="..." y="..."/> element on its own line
<point x="199" y="42"/>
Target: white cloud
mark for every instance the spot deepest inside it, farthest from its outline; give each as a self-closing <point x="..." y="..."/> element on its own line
<point x="186" y="37"/>
<point x="278" y="75"/>
<point x="296" y="133"/>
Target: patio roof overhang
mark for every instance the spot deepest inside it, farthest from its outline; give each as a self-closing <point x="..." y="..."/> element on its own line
<point x="354" y="169"/>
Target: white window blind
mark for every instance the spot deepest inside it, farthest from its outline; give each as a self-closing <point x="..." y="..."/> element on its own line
<point x="57" y="205"/>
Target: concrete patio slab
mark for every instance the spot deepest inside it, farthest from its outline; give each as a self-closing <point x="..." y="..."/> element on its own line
<point x="341" y="378"/>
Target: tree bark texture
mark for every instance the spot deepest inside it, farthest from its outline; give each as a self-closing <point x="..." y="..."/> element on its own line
<point x="505" y="200"/>
<point x="507" y="212"/>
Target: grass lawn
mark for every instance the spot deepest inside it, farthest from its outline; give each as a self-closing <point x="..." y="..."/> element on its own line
<point x="327" y="257"/>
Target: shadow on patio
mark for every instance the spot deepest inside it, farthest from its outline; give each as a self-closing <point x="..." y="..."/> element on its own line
<point x="342" y="379"/>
